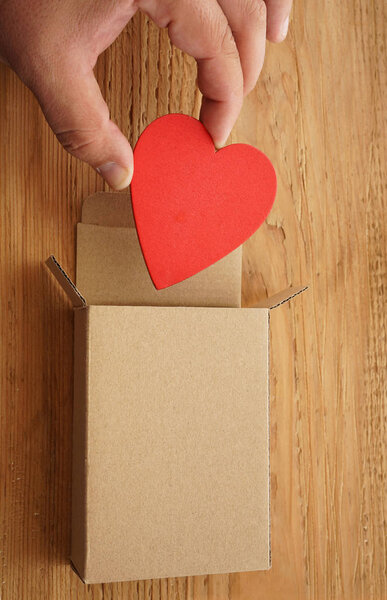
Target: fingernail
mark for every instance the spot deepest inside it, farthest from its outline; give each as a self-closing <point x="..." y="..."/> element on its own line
<point x="219" y="145"/>
<point x="284" y="28"/>
<point x="117" y="177"/>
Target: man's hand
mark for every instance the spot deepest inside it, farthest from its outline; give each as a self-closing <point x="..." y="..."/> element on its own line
<point x="53" y="46"/>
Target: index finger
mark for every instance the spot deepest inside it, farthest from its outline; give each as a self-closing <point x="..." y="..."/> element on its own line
<point x="201" y="29"/>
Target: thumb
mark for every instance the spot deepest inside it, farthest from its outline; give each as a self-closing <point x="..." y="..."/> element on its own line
<point x="77" y="113"/>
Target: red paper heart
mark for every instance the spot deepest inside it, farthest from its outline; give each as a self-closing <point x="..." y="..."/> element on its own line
<point x="192" y="205"/>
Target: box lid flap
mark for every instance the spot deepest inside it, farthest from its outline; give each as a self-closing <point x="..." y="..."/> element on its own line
<point x="65" y="282"/>
<point x="111" y="269"/>
<point x="111" y="209"/>
<point x="281" y="297"/>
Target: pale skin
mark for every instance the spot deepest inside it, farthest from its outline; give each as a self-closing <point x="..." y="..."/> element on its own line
<point x="53" y="46"/>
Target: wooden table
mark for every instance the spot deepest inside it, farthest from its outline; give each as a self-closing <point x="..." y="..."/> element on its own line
<point x="317" y="112"/>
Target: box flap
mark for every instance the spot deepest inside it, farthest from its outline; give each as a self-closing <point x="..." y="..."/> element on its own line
<point x="112" y="209"/>
<point x="111" y="269"/>
<point x="65" y="282"/>
<point x="281" y="297"/>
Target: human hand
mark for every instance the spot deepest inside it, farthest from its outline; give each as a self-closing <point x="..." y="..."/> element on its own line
<point x="53" y="46"/>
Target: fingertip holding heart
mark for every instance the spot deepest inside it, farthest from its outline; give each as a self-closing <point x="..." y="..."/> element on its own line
<point x="193" y="205"/>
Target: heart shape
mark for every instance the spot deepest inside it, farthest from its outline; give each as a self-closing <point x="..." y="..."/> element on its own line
<point x="192" y="205"/>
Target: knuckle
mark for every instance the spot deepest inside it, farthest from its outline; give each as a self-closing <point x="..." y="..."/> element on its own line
<point x="79" y="141"/>
<point x="227" y="43"/>
<point x="229" y="50"/>
<point x="254" y="11"/>
<point x="220" y="39"/>
<point x="76" y="141"/>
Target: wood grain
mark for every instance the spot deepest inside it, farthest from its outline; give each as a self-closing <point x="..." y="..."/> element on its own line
<point x="318" y="113"/>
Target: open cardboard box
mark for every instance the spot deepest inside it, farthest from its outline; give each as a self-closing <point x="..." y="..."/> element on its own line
<point x="171" y="413"/>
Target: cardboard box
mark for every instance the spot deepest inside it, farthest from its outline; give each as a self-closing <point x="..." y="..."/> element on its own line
<point x="171" y="418"/>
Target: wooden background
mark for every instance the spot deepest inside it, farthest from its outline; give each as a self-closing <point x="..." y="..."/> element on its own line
<point x="318" y="113"/>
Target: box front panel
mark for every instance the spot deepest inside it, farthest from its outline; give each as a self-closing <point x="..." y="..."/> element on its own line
<point x="177" y="442"/>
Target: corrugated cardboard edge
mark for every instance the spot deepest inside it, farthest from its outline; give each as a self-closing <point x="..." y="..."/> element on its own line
<point x="79" y="542"/>
<point x="268" y="432"/>
<point x="270" y="303"/>
<point x="281" y="297"/>
<point x="93" y="581"/>
<point x="65" y="282"/>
